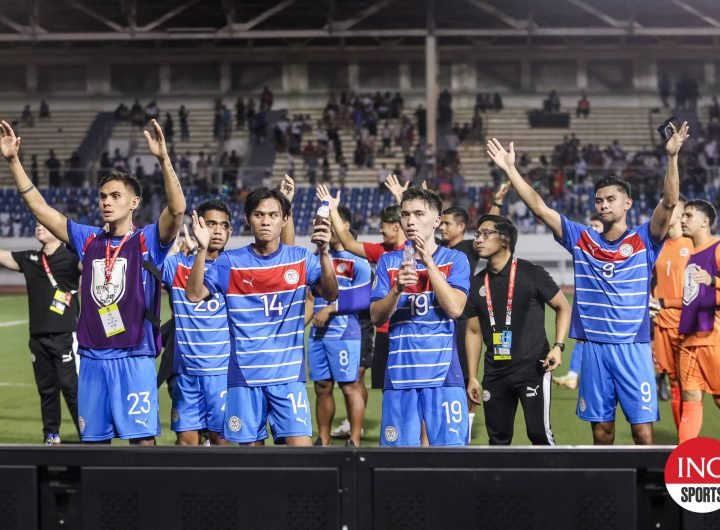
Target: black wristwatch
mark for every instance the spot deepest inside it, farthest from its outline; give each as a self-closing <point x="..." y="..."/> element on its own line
<point x="560" y="345"/>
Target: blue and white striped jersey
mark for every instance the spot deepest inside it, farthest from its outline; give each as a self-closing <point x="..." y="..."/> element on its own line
<point x="612" y="283"/>
<point x="423" y="349"/>
<point x="202" y="337"/>
<point x="353" y="276"/>
<point x="265" y="298"/>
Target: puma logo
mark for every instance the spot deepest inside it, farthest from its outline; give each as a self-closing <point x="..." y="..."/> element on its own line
<point x="142" y="422"/>
<point x="453" y="429"/>
<point x="532" y="392"/>
<point x="645" y="407"/>
<point x="249" y="282"/>
<point x="67" y="357"/>
<point x="302" y="420"/>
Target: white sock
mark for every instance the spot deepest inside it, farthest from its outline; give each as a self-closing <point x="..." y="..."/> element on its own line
<point x="471" y="419"/>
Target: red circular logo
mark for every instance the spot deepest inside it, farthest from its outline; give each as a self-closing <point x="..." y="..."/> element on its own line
<point x="692" y="475"/>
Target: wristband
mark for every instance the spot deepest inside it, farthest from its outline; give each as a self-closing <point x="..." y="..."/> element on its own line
<point x="560" y="345"/>
<point x="498" y="204"/>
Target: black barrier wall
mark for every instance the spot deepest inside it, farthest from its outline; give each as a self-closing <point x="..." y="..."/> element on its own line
<point x="109" y="488"/>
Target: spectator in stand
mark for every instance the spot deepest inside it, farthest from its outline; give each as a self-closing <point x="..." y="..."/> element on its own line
<point x="202" y="168"/>
<point x="397" y="106"/>
<point x="226" y="122"/>
<point x="259" y="126"/>
<point x="183" y="114"/>
<point x="137" y="114"/>
<point x="452" y="143"/>
<point x="139" y="170"/>
<point x="152" y="112"/>
<point x="387" y="135"/>
<point x="34" y="171"/>
<point x="382" y="177"/>
<point x="310" y="158"/>
<point x="266" y="99"/>
<point x="74" y="174"/>
<point x="122" y="113"/>
<point x="169" y="128"/>
<point x="359" y="155"/>
<point x="250" y="111"/>
<point x="583" y="107"/>
<point x="497" y="102"/>
<point x="44" y="110"/>
<point x="239" y="114"/>
<point x="53" y="168"/>
<point x="552" y="103"/>
<point x="217" y="124"/>
<point x="421" y="117"/>
<point x="27" y="117"/>
<point x="714" y="110"/>
<point x="664" y="87"/>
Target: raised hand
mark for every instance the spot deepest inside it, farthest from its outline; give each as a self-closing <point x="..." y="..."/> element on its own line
<point x="500" y="194"/>
<point x="9" y="143"/>
<point x="157" y="145"/>
<point x="502" y="158"/>
<point x="673" y="145"/>
<point x="323" y="194"/>
<point x="200" y="231"/>
<point x="393" y="185"/>
<point x="287" y="188"/>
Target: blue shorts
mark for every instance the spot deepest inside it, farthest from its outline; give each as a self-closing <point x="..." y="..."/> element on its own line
<point x="444" y="410"/>
<point x="337" y="360"/>
<point x="198" y="402"/>
<point x="249" y="408"/>
<point x="117" y="398"/>
<point x="613" y="373"/>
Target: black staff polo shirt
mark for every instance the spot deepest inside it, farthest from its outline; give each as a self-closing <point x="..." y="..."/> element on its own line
<point x="64" y="267"/>
<point x="534" y="288"/>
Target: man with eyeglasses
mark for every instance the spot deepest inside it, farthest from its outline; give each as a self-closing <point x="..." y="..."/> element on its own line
<point x="506" y="311"/>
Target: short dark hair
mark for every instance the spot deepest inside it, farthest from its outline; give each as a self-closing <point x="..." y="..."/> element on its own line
<point x="345" y="214"/>
<point x="701" y="205"/>
<point x="460" y="214"/>
<point x="214" y="204"/>
<point x="595" y="217"/>
<point x="503" y="225"/>
<point x="390" y="214"/>
<point x="613" y="180"/>
<point x="126" y="178"/>
<point x="260" y="194"/>
<point x="429" y="197"/>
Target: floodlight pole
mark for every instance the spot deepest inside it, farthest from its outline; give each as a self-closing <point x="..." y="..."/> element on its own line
<point x="431" y="96"/>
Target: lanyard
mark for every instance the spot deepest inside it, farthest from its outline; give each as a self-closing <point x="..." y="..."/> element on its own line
<point x="110" y="262"/>
<point x="511" y="292"/>
<point x="48" y="271"/>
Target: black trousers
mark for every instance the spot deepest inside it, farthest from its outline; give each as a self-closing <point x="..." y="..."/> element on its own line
<point x="501" y="397"/>
<point x="54" y="368"/>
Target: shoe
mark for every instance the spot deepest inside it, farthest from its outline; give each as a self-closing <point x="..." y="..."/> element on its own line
<point x="567" y="380"/>
<point x="56" y="439"/>
<point x="663" y="388"/>
<point x="319" y="443"/>
<point x="52" y="439"/>
<point x="343" y="430"/>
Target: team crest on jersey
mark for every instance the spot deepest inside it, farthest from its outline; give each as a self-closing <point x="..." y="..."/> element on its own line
<point x="684" y="252"/>
<point x="391" y="434"/>
<point x="486" y="395"/>
<point x="174" y="415"/>
<point x="342" y="267"/>
<point x="626" y="250"/>
<point x="581" y="404"/>
<point x="234" y="424"/>
<point x="291" y="276"/>
<point x="691" y="288"/>
<point x="482" y="291"/>
<point x="81" y="424"/>
<point x="108" y="293"/>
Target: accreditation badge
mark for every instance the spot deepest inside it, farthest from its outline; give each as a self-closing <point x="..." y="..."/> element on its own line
<point x="61" y="300"/>
<point x="502" y="345"/>
<point x="111" y="320"/>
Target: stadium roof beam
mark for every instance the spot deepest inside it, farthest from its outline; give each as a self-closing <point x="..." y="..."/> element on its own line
<point x="167" y="16"/>
<point x="244" y="27"/>
<point x="92" y="14"/>
<point x="694" y="11"/>
<point x="34" y="16"/>
<point x="130" y="9"/>
<point x="344" y="25"/>
<point x="494" y="11"/>
<point x="597" y="13"/>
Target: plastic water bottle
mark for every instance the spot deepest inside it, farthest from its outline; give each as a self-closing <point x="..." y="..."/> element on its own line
<point x="409" y="254"/>
<point x="323" y="212"/>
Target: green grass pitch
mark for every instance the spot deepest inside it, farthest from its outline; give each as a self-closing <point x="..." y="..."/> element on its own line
<point x="20" y="414"/>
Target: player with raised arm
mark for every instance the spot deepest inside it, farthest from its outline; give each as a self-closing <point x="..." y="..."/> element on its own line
<point x="612" y="291"/>
<point x="263" y="285"/>
<point x="202" y="340"/>
<point x="118" y="330"/>
<point x="421" y="298"/>
<point x="335" y="341"/>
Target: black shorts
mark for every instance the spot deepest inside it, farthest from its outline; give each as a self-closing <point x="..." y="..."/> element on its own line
<point x="380" y="358"/>
<point x="367" y="340"/>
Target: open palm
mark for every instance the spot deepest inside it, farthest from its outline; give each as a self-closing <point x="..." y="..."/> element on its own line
<point x="157" y="145"/>
<point x="9" y="143"/>
<point x="504" y="159"/>
<point x="673" y="145"/>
